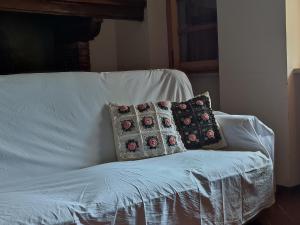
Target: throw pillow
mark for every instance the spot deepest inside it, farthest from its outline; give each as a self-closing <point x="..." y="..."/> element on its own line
<point x="144" y="130"/>
<point x="196" y="123"/>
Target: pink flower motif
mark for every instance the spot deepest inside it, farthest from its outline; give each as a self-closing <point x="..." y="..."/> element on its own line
<point x="123" y="109"/>
<point x="199" y="102"/>
<point x="172" y="141"/>
<point x="205" y="116"/>
<point x="126" y="125"/>
<point x="167" y="122"/>
<point x="153" y="142"/>
<point x="163" y="105"/>
<point x="143" y="107"/>
<point x="192" y="137"/>
<point x="182" y="106"/>
<point x="132" y="146"/>
<point x="210" y="134"/>
<point x="148" y="121"/>
<point x="187" y="121"/>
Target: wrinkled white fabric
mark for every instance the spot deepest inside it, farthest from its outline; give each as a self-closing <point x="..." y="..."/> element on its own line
<point x="57" y="122"/>
<point x="247" y="133"/>
<point x="194" y="187"/>
<point x="54" y="125"/>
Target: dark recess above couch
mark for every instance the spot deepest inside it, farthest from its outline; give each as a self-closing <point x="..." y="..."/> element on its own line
<point x="54" y="35"/>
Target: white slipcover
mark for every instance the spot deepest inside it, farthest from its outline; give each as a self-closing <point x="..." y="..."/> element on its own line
<point x="55" y="128"/>
<point x="60" y="121"/>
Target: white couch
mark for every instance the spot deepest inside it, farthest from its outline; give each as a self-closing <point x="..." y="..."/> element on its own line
<point x="57" y="157"/>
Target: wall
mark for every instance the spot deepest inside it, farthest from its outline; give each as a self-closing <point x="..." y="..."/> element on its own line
<point x="130" y="45"/>
<point x="144" y="45"/>
<point x="293" y="61"/>
<point x="294" y="125"/>
<point x="158" y="35"/>
<point x="293" y="34"/>
<point x="253" y="69"/>
<point x="103" y="50"/>
<point x="207" y="82"/>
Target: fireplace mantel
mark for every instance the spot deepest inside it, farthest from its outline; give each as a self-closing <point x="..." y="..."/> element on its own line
<point x="105" y="9"/>
<point x="54" y="35"/>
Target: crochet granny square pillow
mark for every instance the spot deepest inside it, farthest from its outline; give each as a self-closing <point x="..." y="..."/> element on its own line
<point x="144" y="130"/>
<point x="196" y="123"/>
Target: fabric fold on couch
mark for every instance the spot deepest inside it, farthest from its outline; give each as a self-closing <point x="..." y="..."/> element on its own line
<point x="214" y="187"/>
<point x="247" y="133"/>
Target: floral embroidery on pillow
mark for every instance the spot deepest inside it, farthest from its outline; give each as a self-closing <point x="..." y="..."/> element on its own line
<point x="167" y="122"/>
<point x="187" y="121"/>
<point x="199" y="102"/>
<point x="127" y="125"/>
<point x="196" y="123"/>
<point x="148" y="122"/>
<point x="202" y="102"/>
<point x="145" y="130"/>
<point x="143" y="107"/>
<point x="164" y="105"/>
<point x="171" y="140"/>
<point x="152" y="142"/>
<point x="205" y="116"/>
<point x="124" y="109"/>
<point x="132" y="145"/>
<point x="182" y="106"/>
<point x="210" y="134"/>
<point x="192" y="138"/>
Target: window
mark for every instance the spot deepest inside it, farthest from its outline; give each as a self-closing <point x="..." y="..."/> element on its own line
<point x="193" y="35"/>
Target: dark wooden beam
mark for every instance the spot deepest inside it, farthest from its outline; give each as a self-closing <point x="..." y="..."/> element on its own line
<point x="105" y="9"/>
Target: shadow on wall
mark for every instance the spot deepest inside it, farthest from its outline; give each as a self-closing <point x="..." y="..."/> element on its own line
<point x="294" y="123"/>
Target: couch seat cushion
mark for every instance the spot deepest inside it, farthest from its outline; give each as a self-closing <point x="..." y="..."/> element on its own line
<point x="193" y="187"/>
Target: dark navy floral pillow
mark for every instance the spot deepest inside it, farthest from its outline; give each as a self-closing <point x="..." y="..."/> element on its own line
<point x="196" y="123"/>
<point x="145" y="130"/>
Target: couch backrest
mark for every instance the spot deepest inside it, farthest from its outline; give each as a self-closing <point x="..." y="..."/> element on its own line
<point x="60" y="121"/>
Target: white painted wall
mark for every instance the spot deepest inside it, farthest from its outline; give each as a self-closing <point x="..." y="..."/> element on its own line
<point x="144" y="45"/>
<point x="103" y="50"/>
<point x="131" y="45"/>
<point x="158" y="35"/>
<point x="253" y="68"/>
<point x="293" y="34"/>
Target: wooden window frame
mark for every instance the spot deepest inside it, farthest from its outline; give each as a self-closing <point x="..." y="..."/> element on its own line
<point x="203" y="66"/>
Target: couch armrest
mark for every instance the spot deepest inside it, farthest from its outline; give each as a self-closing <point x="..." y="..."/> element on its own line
<point x="247" y="133"/>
